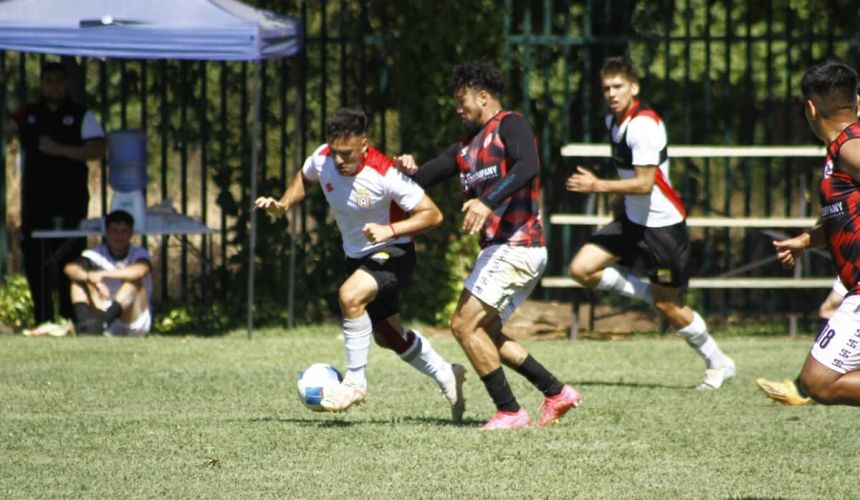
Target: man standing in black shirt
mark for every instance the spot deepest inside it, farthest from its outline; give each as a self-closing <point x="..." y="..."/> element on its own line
<point x="57" y="136"/>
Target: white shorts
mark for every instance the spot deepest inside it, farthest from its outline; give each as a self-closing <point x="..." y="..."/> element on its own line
<point x="838" y="343"/>
<point x="505" y="275"/>
<point x="138" y="328"/>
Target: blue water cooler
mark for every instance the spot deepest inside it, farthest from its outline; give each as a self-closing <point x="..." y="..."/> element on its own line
<point x="127" y="173"/>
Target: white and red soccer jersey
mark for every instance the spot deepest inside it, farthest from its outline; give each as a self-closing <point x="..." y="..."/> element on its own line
<point x="100" y="257"/>
<point x="644" y="134"/>
<point x="378" y="193"/>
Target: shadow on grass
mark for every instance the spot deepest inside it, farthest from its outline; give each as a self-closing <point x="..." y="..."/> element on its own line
<point x="634" y="385"/>
<point x="340" y="423"/>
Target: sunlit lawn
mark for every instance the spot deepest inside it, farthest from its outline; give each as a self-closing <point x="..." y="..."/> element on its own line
<point x="196" y="417"/>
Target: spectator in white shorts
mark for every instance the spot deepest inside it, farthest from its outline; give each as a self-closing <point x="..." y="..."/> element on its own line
<point x="112" y="283"/>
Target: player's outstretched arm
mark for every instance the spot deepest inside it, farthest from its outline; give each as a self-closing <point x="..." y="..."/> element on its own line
<point x="788" y="251"/>
<point x="295" y="193"/>
<point x="584" y="181"/>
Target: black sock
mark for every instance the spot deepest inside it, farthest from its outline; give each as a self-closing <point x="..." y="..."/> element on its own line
<point x="539" y="376"/>
<point x="112" y="313"/>
<point x="800" y="389"/>
<point x="500" y="391"/>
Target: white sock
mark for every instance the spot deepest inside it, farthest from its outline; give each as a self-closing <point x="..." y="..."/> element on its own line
<point x="696" y="335"/>
<point x="356" y="336"/>
<point x="627" y="285"/>
<point x="426" y="360"/>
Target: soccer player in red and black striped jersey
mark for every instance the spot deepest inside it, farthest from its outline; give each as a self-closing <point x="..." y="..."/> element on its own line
<point x="649" y="222"/>
<point x="831" y="374"/>
<point x="497" y="164"/>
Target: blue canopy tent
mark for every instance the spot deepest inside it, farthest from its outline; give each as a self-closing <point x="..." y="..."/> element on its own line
<point x="218" y="30"/>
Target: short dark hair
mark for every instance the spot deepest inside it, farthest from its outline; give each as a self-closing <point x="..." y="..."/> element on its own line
<point x="833" y="81"/>
<point x="618" y="65"/>
<point x="119" y="217"/>
<point x="54" y="67"/>
<point x="479" y="74"/>
<point x="346" y="122"/>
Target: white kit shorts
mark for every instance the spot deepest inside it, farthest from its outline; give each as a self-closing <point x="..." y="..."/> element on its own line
<point x="838" y="343"/>
<point x="505" y="275"/>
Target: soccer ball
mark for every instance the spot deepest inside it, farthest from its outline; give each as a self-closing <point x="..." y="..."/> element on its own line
<point x="313" y="383"/>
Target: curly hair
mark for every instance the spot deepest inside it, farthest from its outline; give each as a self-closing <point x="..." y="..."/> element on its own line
<point x="346" y="122"/>
<point x="478" y="74"/>
<point x="620" y="66"/>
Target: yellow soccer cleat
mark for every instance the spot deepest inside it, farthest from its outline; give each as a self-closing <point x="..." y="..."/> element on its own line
<point x="785" y="392"/>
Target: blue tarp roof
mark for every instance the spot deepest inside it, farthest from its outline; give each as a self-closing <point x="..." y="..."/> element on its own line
<point x="147" y="29"/>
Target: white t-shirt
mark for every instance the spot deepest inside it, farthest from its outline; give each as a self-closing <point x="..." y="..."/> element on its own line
<point x="101" y="258"/>
<point x="378" y="193"/>
<point x="646" y="138"/>
<point x="90" y="127"/>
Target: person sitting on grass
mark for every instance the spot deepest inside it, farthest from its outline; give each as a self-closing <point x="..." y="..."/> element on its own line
<point x="112" y="282"/>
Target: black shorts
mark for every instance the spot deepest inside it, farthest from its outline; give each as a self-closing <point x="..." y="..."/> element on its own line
<point x="665" y="251"/>
<point x="392" y="269"/>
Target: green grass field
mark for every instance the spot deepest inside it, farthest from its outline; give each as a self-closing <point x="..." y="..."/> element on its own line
<point x="169" y="417"/>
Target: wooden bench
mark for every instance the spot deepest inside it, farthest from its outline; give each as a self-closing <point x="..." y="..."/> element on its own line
<point x="717" y="282"/>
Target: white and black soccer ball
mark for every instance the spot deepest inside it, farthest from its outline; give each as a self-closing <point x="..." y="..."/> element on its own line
<point x="313" y="383"/>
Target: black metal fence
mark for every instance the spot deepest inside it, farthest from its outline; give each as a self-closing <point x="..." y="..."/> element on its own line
<point x="720" y="72"/>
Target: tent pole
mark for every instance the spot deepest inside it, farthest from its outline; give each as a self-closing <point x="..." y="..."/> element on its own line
<point x="252" y="234"/>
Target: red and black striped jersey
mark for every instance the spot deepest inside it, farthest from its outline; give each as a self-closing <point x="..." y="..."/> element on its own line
<point x="840" y="212"/>
<point x="484" y="163"/>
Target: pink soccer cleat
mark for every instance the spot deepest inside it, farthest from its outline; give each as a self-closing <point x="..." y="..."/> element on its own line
<point x="508" y="420"/>
<point x="554" y="407"/>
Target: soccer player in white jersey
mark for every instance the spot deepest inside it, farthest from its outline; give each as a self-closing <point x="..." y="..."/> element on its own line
<point x="649" y="220"/>
<point x="112" y="283"/>
<point x="377" y="210"/>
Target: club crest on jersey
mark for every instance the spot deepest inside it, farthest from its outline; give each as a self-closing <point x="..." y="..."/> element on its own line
<point x="380" y="257"/>
<point x="664" y="275"/>
<point x="488" y="139"/>
<point x="362" y="198"/>
<point x="68" y="120"/>
<point x="464" y="152"/>
<point x="328" y="187"/>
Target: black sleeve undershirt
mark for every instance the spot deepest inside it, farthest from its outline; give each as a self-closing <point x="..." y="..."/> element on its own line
<point x="439" y="168"/>
<point x="517" y="135"/>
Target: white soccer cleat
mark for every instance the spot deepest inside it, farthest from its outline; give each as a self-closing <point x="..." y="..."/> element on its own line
<point x="453" y="392"/>
<point x="716" y="377"/>
<point x="340" y="397"/>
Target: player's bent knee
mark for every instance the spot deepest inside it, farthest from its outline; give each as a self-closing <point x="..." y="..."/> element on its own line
<point x="460" y="327"/>
<point x="819" y="390"/>
<point x="349" y="301"/>
<point x="583" y="273"/>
